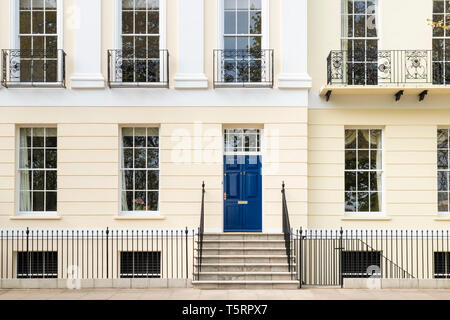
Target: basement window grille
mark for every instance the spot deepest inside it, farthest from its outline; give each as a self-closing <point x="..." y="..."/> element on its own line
<point x="140" y="264"/>
<point x="37" y="264"/>
<point x="361" y="264"/>
<point x="441" y="265"/>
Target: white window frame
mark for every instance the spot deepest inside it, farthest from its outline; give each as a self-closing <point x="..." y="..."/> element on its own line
<point x="15" y="31"/>
<point x="369" y="214"/>
<point x="139" y="213"/>
<point x="34" y="213"/>
<point x="265" y="31"/>
<point x="162" y="31"/>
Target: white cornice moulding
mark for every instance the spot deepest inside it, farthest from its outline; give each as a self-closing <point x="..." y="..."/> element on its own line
<point x="87" y="81"/>
<point x="191" y="81"/>
<point x="294" y="81"/>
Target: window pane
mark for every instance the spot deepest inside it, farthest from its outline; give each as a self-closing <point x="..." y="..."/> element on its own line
<point x="350" y="181"/>
<point x="139" y="158"/>
<point x="375" y="181"/>
<point x="242" y="4"/>
<point x="442" y="180"/>
<point x="230" y="22"/>
<point x="25" y="201"/>
<point x="153" y="22"/>
<point x="38" y="201"/>
<point x="140" y="135"/>
<point x="230" y="4"/>
<point x="25" y="158"/>
<point x="350" y="159"/>
<point x="255" y="4"/>
<point x="350" y="139"/>
<point x="50" y="22"/>
<point x="153" y="4"/>
<point x="127" y="201"/>
<point x="25" y="4"/>
<point x="128" y="4"/>
<point x="50" y="180"/>
<point x="363" y="201"/>
<point x="140" y="200"/>
<point x="255" y="23"/>
<point x="363" y="159"/>
<point x="363" y="181"/>
<point x="50" y="203"/>
<point x="140" y="22"/>
<point x="152" y="180"/>
<point x="38" y="158"/>
<point x="38" y="137"/>
<point x="127" y="137"/>
<point x="50" y="159"/>
<point x="360" y="26"/>
<point x="38" y="22"/>
<point x="442" y="159"/>
<point x="375" y="202"/>
<point x="26" y="182"/>
<point x="375" y="160"/>
<point x="25" y="22"/>
<point x="152" y="158"/>
<point x="50" y="4"/>
<point x="51" y="138"/>
<point x="242" y="22"/>
<point x="128" y="180"/>
<point x="152" y="201"/>
<point x="363" y="139"/>
<point x="140" y="180"/>
<point x="127" y="22"/>
<point x="127" y="158"/>
<point x="375" y="139"/>
<point x="350" y="201"/>
<point x="38" y="180"/>
<point x="443" y="202"/>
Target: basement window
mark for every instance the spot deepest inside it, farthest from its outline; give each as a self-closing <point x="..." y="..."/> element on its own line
<point x="441" y="265"/>
<point x="361" y="264"/>
<point x="140" y="264"/>
<point x="37" y="265"/>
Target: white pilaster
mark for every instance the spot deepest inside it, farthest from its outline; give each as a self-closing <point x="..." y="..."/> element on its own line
<point x="294" y="44"/>
<point x="191" y="46"/>
<point x="88" y="42"/>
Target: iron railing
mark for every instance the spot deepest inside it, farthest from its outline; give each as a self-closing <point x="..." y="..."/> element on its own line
<point x="96" y="254"/>
<point x="326" y="257"/>
<point x="138" y="68"/>
<point x="378" y="67"/>
<point x="33" y="68"/>
<point x="201" y="231"/>
<point x="287" y="231"/>
<point x="252" y="68"/>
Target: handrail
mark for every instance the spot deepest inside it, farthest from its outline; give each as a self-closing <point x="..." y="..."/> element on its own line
<point x="201" y="230"/>
<point x="286" y="226"/>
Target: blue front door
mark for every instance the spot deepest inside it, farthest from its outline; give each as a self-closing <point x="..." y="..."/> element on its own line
<point x="242" y="193"/>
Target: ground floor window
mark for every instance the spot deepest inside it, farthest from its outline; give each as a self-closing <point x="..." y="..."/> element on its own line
<point x="37" y="264"/>
<point x="361" y="264"/>
<point x="140" y="169"/>
<point x="140" y="264"/>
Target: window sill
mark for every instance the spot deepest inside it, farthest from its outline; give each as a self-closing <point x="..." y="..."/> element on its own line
<point x="35" y="217"/>
<point x="442" y="218"/>
<point x="139" y="217"/>
<point x="365" y="218"/>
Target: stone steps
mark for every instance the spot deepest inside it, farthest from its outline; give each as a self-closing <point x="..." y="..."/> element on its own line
<point x="244" y="261"/>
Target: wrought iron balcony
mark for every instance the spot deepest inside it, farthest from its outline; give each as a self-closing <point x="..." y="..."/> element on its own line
<point x="383" y="67"/>
<point x="251" y="68"/>
<point x="138" y="68"/>
<point x="22" y="68"/>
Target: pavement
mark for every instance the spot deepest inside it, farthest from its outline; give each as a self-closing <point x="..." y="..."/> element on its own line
<point x="197" y="294"/>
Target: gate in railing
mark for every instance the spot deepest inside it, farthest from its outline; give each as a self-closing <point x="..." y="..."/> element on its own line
<point x="326" y="257"/>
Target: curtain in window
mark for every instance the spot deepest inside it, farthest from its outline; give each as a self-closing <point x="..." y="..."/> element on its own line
<point x="125" y="205"/>
<point x="25" y="195"/>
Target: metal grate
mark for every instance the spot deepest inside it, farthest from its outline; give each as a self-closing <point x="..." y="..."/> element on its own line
<point x="442" y="265"/>
<point x="37" y="264"/>
<point x="361" y="264"/>
<point x="140" y="264"/>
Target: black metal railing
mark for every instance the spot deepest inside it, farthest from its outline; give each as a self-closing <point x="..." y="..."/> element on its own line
<point x="327" y="257"/>
<point x="287" y="231"/>
<point x="201" y="231"/>
<point x="251" y="68"/>
<point x="96" y="254"/>
<point x="138" y="68"/>
<point x="378" y="67"/>
<point x="33" y="68"/>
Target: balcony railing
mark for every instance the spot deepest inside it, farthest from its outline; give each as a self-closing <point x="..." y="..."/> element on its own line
<point x="33" y="68"/>
<point x="138" y="68"/>
<point x="243" y="68"/>
<point x="397" y="67"/>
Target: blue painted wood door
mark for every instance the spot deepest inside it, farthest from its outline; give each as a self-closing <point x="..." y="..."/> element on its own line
<point x="242" y="193"/>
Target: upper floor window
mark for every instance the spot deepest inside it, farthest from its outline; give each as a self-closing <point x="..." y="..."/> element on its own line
<point x="36" y="38"/>
<point x="37" y="170"/>
<point x="359" y="40"/>
<point x="244" y="57"/>
<point x="363" y="170"/>
<point x="441" y="43"/>
<point x="139" y="57"/>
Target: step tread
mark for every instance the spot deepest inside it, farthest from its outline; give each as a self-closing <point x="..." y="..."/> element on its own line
<point x="245" y="281"/>
<point x="246" y="273"/>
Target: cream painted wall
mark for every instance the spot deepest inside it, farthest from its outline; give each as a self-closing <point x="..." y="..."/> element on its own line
<point x="191" y="151"/>
<point x="410" y="191"/>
